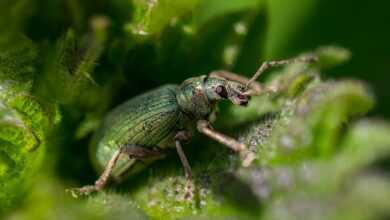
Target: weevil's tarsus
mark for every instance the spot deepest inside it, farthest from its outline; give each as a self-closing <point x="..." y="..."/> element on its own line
<point x="189" y="188"/>
<point x="246" y="155"/>
<point x="307" y="58"/>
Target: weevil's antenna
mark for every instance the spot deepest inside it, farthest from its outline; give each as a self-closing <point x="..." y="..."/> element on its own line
<point x="307" y="58"/>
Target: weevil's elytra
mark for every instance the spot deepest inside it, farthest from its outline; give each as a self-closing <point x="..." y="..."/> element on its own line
<point x="149" y="120"/>
<point x="140" y="130"/>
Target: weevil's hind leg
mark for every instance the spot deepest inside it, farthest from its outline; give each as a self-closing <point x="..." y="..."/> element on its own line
<point x="141" y="154"/>
<point x="255" y="86"/>
<point x="132" y="151"/>
<point x="185" y="136"/>
<point x="309" y="58"/>
<point x="99" y="183"/>
<point x="246" y="155"/>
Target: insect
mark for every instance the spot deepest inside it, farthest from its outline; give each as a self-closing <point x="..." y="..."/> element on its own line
<point x="140" y="130"/>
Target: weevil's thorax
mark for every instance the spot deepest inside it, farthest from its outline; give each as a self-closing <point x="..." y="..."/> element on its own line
<point x="192" y="98"/>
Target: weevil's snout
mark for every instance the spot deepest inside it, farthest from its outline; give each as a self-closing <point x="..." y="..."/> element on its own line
<point x="237" y="94"/>
<point x="240" y="99"/>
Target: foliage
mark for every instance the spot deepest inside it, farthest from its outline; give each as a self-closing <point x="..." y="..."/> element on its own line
<point x="65" y="63"/>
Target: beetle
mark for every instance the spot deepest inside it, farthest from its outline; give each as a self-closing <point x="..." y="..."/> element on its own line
<point x="140" y="130"/>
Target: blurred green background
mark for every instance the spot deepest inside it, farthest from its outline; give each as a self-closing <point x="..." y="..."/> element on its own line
<point x="358" y="25"/>
<point x="65" y="63"/>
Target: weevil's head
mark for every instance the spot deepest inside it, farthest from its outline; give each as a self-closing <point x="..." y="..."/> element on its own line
<point x="219" y="89"/>
<point x="198" y="96"/>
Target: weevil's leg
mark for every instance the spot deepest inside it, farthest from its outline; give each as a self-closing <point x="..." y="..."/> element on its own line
<point x="270" y="64"/>
<point x="246" y="155"/>
<point x="132" y="151"/>
<point x="139" y="153"/>
<point x="185" y="136"/>
<point x="99" y="183"/>
<point x="204" y="127"/>
<point x="255" y="86"/>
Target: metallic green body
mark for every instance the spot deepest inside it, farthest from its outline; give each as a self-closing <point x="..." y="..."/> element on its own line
<point x="149" y="120"/>
<point x="152" y="119"/>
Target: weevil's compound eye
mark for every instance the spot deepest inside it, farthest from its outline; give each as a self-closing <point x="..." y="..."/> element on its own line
<point x="221" y="91"/>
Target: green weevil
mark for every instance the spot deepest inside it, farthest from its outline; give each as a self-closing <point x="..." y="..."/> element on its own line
<point x="140" y="130"/>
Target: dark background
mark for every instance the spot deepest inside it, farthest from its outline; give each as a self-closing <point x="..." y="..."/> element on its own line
<point x="361" y="26"/>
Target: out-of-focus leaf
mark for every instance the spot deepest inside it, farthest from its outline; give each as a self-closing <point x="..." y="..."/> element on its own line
<point x="207" y="10"/>
<point x="68" y="74"/>
<point x="285" y="19"/>
<point x="49" y="201"/>
<point x="152" y="16"/>
<point x="17" y="57"/>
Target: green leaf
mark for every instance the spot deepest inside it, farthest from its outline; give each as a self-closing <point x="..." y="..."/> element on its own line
<point x="25" y="125"/>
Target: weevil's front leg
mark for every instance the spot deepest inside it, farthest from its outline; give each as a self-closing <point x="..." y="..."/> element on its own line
<point x="309" y="58"/>
<point x="132" y="151"/>
<point x="254" y="86"/>
<point x="246" y="155"/>
<point x="185" y="136"/>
